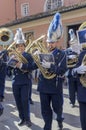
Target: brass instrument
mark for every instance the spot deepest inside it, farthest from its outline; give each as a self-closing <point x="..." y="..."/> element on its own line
<point x="72" y="59"/>
<point x="18" y="55"/>
<point x="83" y="76"/>
<point x="6" y="39"/>
<point x="72" y="56"/>
<point x="72" y="62"/>
<point x="38" y="45"/>
<point x="6" y="36"/>
<point x="83" y="26"/>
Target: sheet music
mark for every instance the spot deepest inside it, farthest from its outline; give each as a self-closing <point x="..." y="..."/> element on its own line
<point x="12" y="63"/>
<point x="47" y="57"/>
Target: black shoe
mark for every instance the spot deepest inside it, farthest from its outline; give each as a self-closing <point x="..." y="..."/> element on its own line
<point x="28" y="123"/>
<point x="21" y="123"/>
<point x="60" y="125"/>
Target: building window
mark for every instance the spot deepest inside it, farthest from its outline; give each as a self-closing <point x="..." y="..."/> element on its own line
<point x="25" y="9"/>
<point x="52" y="4"/>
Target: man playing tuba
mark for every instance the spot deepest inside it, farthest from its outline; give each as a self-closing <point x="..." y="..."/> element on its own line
<point x="80" y="72"/>
<point x="51" y="90"/>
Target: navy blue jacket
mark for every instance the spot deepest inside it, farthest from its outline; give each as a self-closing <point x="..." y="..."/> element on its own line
<point x="59" y="68"/>
<point x="81" y="88"/>
<point x="3" y="61"/>
<point x="19" y="76"/>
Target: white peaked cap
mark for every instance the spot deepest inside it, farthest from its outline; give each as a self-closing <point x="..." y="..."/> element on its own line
<point x="19" y="37"/>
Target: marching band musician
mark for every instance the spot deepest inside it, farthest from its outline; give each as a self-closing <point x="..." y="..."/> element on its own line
<point x="79" y="71"/>
<point x="72" y="57"/>
<point x="3" y="60"/>
<point x="21" y="81"/>
<point x="51" y="90"/>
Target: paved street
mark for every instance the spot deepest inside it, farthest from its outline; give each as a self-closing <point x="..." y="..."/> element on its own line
<point x="9" y="119"/>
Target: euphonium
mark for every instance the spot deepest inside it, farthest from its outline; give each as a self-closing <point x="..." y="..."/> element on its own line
<point x="13" y="51"/>
<point x="83" y="76"/>
<point x="6" y="39"/>
<point x="72" y="56"/>
<point x="72" y="59"/>
<point x="38" y="45"/>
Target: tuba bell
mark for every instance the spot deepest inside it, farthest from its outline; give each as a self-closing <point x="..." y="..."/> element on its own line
<point x="6" y="36"/>
<point x="38" y="45"/>
<point x="83" y="76"/>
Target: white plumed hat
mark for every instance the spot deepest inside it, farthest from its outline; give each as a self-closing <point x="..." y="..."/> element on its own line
<point x="55" y="29"/>
<point x="72" y="34"/>
<point x="19" y="37"/>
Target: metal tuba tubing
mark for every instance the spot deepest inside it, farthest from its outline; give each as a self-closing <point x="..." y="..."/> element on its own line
<point x="83" y="76"/>
<point x="33" y="47"/>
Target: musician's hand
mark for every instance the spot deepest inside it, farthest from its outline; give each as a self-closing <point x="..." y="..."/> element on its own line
<point x="19" y="65"/>
<point x="37" y="52"/>
<point x="81" y="69"/>
<point x="46" y="64"/>
<point x="72" y="56"/>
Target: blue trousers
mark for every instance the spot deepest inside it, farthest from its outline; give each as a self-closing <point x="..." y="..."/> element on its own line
<point x="82" y="107"/>
<point x="46" y="108"/>
<point x="21" y="95"/>
<point x="72" y="89"/>
<point x="2" y="86"/>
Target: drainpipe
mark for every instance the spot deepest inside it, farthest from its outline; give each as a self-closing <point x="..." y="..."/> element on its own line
<point x="15" y="2"/>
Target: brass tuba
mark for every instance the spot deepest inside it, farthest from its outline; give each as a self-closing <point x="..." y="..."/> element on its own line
<point x="6" y="39"/>
<point x="72" y="59"/>
<point x="6" y="36"/>
<point x="83" y="76"/>
<point x="38" y="45"/>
